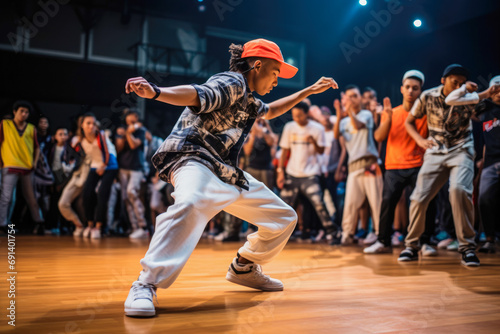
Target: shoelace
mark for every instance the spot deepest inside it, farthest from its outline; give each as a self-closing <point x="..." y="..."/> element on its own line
<point x="141" y="293"/>
<point x="258" y="272"/>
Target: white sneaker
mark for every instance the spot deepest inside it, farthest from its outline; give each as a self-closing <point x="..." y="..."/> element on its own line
<point x="453" y="246"/>
<point x="86" y="232"/>
<point x="444" y="243"/>
<point x="251" y="275"/>
<point x="395" y="239"/>
<point x="139" y="234"/>
<point x="221" y="236"/>
<point x="139" y="302"/>
<point x="377" y="248"/>
<point x="78" y="231"/>
<point x="95" y="233"/>
<point x="428" y="250"/>
<point x="370" y="238"/>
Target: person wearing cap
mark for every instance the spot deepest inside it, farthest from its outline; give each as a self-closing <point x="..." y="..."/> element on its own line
<point x="449" y="152"/>
<point x="200" y="159"/>
<point x="486" y="111"/>
<point x="403" y="159"/>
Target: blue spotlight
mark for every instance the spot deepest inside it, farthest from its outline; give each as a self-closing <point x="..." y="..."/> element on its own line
<point x="363" y="2"/>
<point x="417" y="23"/>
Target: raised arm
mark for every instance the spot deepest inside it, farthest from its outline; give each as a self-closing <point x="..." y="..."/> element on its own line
<point x="184" y="95"/>
<point x="467" y="94"/>
<point x="281" y="106"/>
<point x="383" y="130"/>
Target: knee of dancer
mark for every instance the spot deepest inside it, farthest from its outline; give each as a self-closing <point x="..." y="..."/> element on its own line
<point x="459" y="191"/>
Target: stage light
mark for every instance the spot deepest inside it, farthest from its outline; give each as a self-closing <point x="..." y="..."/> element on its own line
<point x="417" y="23"/>
<point x="363" y="2"/>
<point x="201" y="8"/>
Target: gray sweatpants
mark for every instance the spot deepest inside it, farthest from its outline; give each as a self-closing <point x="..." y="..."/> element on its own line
<point x="458" y="167"/>
<point x="9" y="182"/>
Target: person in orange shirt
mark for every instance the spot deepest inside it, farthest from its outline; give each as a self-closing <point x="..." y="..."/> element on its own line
<point x="403" y="159"/>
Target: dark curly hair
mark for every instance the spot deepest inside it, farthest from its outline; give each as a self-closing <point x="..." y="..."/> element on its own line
<point x="236" y="63"/>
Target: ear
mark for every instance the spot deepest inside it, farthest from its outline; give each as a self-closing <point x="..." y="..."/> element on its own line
<point x="257" y="65"/>
<point x="401" y="89"/>
<point x="442" y="80"/>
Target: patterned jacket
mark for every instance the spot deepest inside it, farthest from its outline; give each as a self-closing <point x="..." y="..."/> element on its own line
<point x="214" y="133"/>
<point x="449" y="126"/>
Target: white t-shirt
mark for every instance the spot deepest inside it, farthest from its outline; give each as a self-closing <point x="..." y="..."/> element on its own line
<point x="359" y="143"/>
<point x="56" y="164"/>
<point x="304" y="161"/>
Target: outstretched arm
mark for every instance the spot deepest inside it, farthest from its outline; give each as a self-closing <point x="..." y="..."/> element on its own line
<point x="281" y="106"/>
<point x="184" y="95"/>
<point x="383" y="130"/>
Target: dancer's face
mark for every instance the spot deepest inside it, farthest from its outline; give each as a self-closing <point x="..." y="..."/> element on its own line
<point x="452" y="82"/>
<point x="264" y="77"/>
<point x="411" y="90"/>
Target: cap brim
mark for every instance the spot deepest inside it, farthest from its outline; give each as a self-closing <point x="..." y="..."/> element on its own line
<point x="287" y="71"/>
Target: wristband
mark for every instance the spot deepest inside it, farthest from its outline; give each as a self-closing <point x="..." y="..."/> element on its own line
<point x="156" y="89"/>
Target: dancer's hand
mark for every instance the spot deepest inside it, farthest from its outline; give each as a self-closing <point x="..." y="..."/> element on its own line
<point x="140" y="86"/>
<point x="471" y="86"/>
<point x="322" y="85"/>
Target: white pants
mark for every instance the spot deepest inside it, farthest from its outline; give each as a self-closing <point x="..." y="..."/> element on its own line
<point x="360" y="186"/>
<point x="199" y="195"/>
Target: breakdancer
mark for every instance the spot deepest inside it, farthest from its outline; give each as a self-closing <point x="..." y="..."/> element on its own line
<point x="200" y="158"/>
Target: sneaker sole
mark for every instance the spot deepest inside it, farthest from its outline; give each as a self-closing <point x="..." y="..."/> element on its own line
<point x="471" y="264"/>
<point x="234" y="279"/>
<point x="406" y="259"/>
<point x="139" y="313"/>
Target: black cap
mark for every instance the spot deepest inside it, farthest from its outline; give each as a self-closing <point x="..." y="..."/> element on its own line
<point x="455" y="69"/>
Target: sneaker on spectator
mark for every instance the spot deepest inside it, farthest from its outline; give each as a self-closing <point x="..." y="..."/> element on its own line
<point x="408" y="254"/>
<point x="428" y="250"/>
<point x="140" y="233"/>
<point x="319" y="236"/>
<point x="86" y="232"/>
<point x="78" y="231"/>
<point x="488" y="247"/>
<point x="470" y="259"/>
<point x="139" y="302"/>
<point x="361" y="234"/>
<point x="346" y="239"/>
<point x="395" y="239"/>
<point x="95" y="233"/>
<point x="453" y="246"/>
<point x="370" y="238"/>
<point x="377" y="248"/>
<point x="251" y="275"/>
<point x="444" y="243"/>
<point x="220" y="236"/>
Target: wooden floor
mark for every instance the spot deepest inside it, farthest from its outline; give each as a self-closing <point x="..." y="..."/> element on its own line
<point x="65" y="285"/>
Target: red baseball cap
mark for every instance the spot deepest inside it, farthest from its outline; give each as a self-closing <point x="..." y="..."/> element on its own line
<point x="267" y="49"/>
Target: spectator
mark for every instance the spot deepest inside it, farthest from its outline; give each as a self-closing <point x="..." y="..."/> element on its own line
<point x="304" y="140"/>
<point x="449" y="155"/>
<point x="130" y="147"/>
<point x="403" y="160"/>
<point x="19" y="152"/>
<point x="103" y="168"/>
<point x="364" y="178"/>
